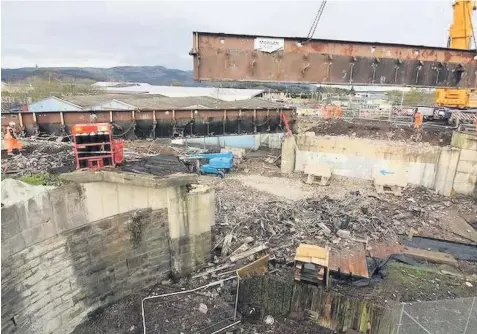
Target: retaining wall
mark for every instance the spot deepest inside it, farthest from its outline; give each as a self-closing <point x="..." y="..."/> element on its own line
<point x="84" y="245"/>
<point x="448" y="170"/>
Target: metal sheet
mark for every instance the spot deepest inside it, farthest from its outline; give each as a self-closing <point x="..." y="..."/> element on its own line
<point x="228" y="57"/>
<point x="351" y="262"/>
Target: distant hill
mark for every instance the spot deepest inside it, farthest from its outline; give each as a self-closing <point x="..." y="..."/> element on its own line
<point x="154" y="75"/>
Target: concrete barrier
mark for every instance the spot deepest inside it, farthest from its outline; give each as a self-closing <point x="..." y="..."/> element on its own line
<point x="448" y="170"/>
<point x="84" y="245"/>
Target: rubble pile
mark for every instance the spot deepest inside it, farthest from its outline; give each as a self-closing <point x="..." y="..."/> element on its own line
<point x="242" y="213"/>
<point x="39" y="157"/>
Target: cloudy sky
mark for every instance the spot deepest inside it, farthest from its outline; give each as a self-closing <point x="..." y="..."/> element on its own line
<point x="107" y="33"/>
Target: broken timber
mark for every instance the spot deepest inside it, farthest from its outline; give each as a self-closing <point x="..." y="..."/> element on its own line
<point x="235" y="258"/>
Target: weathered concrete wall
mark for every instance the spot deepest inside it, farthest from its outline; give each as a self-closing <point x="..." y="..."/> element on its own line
<point x="356" y="157"/>
<point x="448" y="170"/>
<point x="465" y="181"/>
<point x="86" y="244"/>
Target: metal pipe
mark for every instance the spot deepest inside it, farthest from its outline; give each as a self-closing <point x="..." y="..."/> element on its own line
<point x="179" y="293"/>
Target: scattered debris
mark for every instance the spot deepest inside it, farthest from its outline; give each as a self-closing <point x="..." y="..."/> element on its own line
<point x="203" y="308"/>
<point x="469" y="284"/>
<point x="40" y="156"/>
<point x="269" y="320"/>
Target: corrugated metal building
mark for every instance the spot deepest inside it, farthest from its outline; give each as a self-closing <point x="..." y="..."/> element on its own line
<point x="225" y="94"/>
<point x="133" y="102"/>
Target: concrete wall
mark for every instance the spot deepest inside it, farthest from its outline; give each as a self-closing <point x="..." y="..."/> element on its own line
<point x="465" y="181"/>
<point x="448" y="170"/>
<point x="252" y="142"/>
<point x="356" y="157"/>
<point x="86" y="244"/>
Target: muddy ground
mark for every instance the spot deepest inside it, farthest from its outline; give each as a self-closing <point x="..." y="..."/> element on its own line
<point x="440" y="136"/>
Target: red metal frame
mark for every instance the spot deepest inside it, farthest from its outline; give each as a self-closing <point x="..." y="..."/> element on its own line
<point x="98" y="137"/>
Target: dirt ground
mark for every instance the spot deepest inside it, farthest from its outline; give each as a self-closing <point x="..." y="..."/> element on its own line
<point x="374" y="129"/>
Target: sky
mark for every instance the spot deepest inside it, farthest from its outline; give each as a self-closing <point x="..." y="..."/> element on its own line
<point x="108" y="33"/>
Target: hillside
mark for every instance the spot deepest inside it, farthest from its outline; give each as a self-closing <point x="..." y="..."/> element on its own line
<point x="154" y="75"/>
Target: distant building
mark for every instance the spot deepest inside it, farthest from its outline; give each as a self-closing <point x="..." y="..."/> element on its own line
<point x="53" y="103"/>
<point x="144" y="102"/>
<point x="224" y="94"/>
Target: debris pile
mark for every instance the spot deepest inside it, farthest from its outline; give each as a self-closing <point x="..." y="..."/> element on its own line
<point x="38" y="157"/>
<point x="375" y="129"/>
<point x="242" y="213"/>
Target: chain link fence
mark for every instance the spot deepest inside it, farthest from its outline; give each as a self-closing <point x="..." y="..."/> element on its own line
<point x="457" y="316"/>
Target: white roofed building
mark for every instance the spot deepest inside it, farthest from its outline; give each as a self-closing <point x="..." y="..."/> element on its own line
<point x="224" y="94"/>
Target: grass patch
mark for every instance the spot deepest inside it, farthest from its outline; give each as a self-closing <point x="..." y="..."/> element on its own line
<point x="42" y="179"/>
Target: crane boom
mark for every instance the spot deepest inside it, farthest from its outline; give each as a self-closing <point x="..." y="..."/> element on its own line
<point x="461" y="34"/>
<point x="461" y="29"/>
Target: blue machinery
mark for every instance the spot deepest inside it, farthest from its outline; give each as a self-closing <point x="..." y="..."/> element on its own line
<point x="216" y="163"/>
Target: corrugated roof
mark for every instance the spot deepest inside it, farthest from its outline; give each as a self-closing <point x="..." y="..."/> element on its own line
<point x="92" y="100"/>
<point x="162" y="102"/>
<point x="225" y="94"/>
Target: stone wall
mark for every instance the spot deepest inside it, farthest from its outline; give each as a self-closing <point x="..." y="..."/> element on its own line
<point x="79" y="247"/>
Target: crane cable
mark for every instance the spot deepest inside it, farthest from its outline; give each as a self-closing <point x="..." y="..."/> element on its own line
<point x="317" y="18"/>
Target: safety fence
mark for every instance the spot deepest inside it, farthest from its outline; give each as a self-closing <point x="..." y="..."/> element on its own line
<point x="457" y="316"/>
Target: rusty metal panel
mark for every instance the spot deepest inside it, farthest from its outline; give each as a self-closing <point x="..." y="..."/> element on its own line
<point x="349" y="262"/>
<point x="227" y="57"/>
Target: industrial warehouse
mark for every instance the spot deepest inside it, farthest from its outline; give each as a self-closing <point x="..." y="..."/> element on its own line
<point x="303" y="185"/>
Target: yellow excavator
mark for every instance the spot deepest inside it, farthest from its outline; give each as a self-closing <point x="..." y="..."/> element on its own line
<point x="461" y="35"/>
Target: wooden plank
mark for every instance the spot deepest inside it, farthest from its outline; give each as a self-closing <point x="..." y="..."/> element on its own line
<point x="434" y="257"/>
<point x="259" y="266"/>
<point x="235" y="258"/>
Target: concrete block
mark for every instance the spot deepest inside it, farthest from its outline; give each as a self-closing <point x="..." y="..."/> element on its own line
<point x="316" y="171"/>
<point x="464" y="183"/>
<point x="469" y="167"/>
<point x="468" y="155"/>
<point x="464" y="140"/>
<point x="288" y="155"/>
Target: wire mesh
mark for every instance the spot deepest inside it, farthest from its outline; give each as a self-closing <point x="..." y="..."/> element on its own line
<point x="458" y="316"/>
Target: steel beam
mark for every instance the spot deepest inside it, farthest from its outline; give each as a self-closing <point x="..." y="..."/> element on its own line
<point x="227" y="57"/>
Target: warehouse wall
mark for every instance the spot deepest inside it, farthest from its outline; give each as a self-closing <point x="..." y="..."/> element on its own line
<point x="79" y="247"/>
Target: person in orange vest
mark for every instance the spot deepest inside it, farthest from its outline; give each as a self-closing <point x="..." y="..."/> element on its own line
<point x="418" y="118"/>
<point x="11" y="140"/>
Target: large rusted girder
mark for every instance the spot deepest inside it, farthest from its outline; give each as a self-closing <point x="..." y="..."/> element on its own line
<point x="226" y="57"/>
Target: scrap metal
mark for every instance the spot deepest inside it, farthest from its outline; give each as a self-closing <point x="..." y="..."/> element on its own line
<point x="230" y="57"/>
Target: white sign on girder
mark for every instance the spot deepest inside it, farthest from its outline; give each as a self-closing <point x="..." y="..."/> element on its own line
<point x="269" y="44"/>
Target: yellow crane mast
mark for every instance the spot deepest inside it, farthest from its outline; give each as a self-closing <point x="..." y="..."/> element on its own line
<point x="461" y="35"/>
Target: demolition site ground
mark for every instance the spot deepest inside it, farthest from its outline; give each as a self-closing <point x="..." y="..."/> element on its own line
<point x="258" y="207"/>
<point x="271" y="210"/>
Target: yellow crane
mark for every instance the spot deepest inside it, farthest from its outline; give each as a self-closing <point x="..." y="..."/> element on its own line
<point x="461" y="34"/>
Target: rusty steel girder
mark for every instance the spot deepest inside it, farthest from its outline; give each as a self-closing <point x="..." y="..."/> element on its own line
<point x="227" y="57"/>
